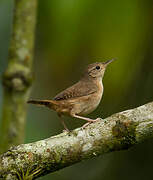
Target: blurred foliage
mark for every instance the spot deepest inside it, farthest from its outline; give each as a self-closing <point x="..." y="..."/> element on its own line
<point x="72" y="34"/>
<point x="5" y="31"/>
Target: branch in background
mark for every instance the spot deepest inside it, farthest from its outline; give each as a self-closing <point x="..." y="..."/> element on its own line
<point x="17" y="77"/>
<point x="117" y="132"/>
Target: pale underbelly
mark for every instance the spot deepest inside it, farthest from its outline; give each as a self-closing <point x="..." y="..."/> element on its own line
<point x="87" y="105"/>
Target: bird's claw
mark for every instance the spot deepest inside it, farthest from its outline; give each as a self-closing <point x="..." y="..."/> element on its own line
<point x="66" y="131"/>
<point x="98" y="119"/>
<point x="89" y="122"/>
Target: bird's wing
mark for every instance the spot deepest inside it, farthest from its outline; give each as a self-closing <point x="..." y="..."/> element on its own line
<point x="77" y="90"/>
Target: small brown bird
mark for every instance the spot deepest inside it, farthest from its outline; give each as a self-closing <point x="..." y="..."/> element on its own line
<point x="82" y="98"/>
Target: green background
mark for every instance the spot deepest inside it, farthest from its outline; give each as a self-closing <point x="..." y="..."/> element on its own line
<point x="71" y="34"/>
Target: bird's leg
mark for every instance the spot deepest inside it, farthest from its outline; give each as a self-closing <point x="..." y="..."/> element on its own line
<point x="63" y="123"/>
<point x="65" y="127"/>
<point x="87" y="119"/>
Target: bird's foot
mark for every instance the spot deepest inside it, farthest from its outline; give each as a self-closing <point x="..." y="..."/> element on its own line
<point x="91" y="121"/>
<point x="85" y="125"/>
<point x="66" y="131"/>
<point x="94" y="120"/>
<point x="98" y="119"/>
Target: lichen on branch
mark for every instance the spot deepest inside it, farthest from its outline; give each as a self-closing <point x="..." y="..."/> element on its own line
<point x="117" y="132"/>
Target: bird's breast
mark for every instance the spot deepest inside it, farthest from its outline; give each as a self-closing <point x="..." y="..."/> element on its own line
<point x="89" y="103"/>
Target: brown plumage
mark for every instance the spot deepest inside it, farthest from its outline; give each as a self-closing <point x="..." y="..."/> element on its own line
<point x="82" y="98"/>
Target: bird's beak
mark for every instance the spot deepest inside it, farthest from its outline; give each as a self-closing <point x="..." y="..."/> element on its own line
<point x="108" y="62"/>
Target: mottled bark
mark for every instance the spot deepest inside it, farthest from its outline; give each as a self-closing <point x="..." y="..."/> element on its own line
<point x="117" y="132"/>
<point x="17" y="77"/>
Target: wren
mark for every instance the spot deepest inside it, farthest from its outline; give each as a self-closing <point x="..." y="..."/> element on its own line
<point x="82" y="98"/>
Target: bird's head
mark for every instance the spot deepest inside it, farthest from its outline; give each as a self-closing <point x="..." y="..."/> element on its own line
<point x="97" y="69"/>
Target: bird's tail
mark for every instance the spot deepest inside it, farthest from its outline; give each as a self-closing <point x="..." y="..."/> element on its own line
<point x="47" y="103"/>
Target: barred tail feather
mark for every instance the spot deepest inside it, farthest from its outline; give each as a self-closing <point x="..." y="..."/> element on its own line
<point x="41" y="102"/>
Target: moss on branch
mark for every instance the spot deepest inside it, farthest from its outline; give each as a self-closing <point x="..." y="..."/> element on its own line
<point x="117" y="132"/>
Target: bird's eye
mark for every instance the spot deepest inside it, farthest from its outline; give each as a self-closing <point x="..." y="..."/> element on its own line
<point x="97" y="67"/>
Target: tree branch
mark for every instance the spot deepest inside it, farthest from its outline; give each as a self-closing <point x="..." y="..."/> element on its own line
<point x="17" y="77"/>
<point x="117" y="132"/>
